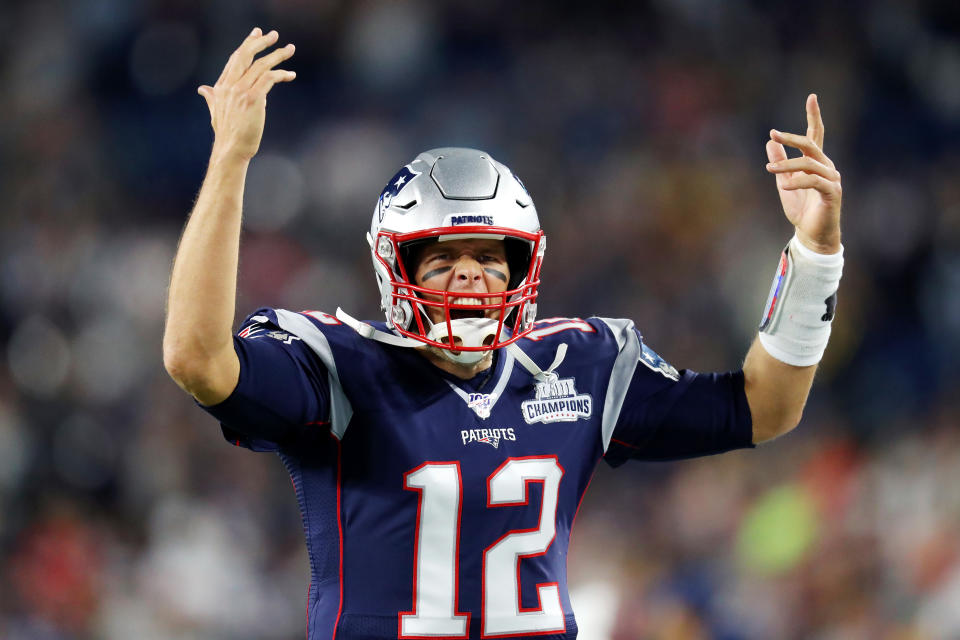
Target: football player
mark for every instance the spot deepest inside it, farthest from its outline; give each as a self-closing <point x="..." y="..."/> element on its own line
<point x="439" y="455"/>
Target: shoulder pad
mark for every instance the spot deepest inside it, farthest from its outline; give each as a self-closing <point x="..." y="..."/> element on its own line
<point x="263" y="323"/>
<point x="544" y="330"/>
<point x="266" y="322"/>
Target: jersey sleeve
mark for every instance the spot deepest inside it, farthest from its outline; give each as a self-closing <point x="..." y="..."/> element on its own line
<point x="668" y="414"/>
<point x="283" y="392"/>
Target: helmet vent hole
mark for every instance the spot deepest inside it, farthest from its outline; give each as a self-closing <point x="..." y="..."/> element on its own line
<point x="488" y="340"/>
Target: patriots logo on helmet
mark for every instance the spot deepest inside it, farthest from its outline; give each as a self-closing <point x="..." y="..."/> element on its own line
<point x="401" y="179"/>
<point x="517" y="178"/>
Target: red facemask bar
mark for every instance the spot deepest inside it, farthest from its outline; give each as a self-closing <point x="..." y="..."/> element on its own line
<point x="513" y="303"/>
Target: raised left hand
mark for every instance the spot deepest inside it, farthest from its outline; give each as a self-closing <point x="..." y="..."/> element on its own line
<point x="809" y="186"/>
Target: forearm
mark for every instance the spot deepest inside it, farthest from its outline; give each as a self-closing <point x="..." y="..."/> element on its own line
<point x="776" y="392"/>
<point x="198" y="346"/>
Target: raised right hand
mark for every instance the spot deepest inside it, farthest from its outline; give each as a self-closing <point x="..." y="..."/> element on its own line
<point x="238" y="100"/>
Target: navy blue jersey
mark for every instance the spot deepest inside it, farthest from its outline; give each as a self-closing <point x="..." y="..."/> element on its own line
<point x="436" y="507"/>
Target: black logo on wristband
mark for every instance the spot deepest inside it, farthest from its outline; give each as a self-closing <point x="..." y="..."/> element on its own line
<point x="831" y="303"/>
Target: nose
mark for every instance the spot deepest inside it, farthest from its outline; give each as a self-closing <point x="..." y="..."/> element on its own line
<point x="467" y="270"/>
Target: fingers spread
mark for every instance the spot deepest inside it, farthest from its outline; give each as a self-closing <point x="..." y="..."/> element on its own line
<point x="232" y="60"/>
<point x="814" y="120"/>
<point x="270" y="78"/>
<point x="805" y="164"/>
<point x="242" y="58"/>
<point x="264" y="64"/>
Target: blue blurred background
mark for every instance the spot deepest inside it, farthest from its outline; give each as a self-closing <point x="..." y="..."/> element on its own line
<point x="639" y="130"/>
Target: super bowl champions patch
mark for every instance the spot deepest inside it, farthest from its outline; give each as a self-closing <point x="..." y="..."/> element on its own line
<point x="649" y="357"/>
<point x="557" y="401"/>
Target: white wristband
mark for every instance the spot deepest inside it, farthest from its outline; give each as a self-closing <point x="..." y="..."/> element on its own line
<point x="795" y="326"/>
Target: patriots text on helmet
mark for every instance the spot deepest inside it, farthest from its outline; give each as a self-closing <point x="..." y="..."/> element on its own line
<point x="488" y="220"/>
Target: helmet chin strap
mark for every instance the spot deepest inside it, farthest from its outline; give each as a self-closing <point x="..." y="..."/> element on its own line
<point x="470" y="331"/>
<point x="372" y="333"/>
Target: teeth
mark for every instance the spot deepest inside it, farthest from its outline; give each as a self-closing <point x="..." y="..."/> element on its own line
<point x="466" y="301"/>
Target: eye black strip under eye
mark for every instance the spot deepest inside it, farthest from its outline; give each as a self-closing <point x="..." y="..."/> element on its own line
<point x="435" y="272"/>
<point x="496" y="274"/>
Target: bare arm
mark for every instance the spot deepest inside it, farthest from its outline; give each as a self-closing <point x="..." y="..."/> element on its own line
<point x="810" y="192"/>
<point x="197" y="343"/>
<point x="776" y="392"/>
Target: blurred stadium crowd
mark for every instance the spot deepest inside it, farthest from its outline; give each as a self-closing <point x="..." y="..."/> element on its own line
<point x="639" y="130"/>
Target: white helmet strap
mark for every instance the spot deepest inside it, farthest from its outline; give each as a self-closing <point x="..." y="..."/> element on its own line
<point x="371" y="332"/>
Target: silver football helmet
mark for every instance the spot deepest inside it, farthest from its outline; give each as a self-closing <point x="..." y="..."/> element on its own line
<point x="451" y="194"/>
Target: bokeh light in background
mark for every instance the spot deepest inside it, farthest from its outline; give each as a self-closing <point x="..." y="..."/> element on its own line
<point x="639" y="130"/>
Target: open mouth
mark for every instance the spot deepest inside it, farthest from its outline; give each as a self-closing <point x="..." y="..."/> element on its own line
<point x="457" y="314"/>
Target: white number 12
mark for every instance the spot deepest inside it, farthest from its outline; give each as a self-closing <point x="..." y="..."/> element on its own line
<point x="435" y="587"/>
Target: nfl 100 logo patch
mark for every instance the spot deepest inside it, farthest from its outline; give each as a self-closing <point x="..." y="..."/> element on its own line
<point x="481" y="403"/>
<point x="557" y="401"/>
